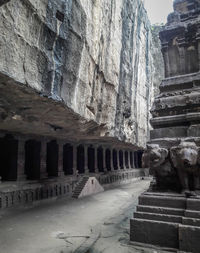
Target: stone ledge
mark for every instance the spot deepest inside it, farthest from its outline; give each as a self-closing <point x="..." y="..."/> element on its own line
<point x="191" y="221"/>
<point x="159" y="233"/>
<point x="189" y="238"/>
<point x="187" y="81"/>
<point x="158" y="217"/>
<point x="162" y="201"/>
<point x="28" y="192"/>
<point x="161" y="210"/>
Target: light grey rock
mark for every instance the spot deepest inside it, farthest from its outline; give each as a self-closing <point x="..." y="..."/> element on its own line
<point x="91" y="62"/>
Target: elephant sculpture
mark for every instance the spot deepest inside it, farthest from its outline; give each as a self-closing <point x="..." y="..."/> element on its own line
<point x="156" y="158"/>
<point x="185" y="158"/>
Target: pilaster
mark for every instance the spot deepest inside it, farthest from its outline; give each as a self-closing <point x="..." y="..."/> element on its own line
<point x="61" y="173"/>
<point x="86" y="158"/>
<point x="104" y="159"/>
<point x="21" y="159"/>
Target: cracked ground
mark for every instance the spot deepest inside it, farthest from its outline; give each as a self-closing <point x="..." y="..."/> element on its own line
<point x="94" y="224"/>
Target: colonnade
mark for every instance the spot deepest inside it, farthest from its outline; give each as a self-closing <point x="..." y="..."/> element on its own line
<point x="28" y="158"/>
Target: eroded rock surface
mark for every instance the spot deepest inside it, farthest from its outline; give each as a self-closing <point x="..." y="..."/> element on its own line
<point x="76" y="63"/>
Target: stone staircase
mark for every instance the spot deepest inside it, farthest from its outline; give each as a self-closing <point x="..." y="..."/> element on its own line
<point x="169" y="221"/>
<point x="79" y="187"/>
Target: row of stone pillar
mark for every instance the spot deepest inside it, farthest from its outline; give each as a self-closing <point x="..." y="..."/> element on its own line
<point x="127" y="160"/>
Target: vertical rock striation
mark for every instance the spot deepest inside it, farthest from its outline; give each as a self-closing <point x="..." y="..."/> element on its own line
<point x="76" y="63"/>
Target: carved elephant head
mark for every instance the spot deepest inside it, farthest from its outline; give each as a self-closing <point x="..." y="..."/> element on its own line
<point x="185" y="156"/>
<point x="154" y="156"/>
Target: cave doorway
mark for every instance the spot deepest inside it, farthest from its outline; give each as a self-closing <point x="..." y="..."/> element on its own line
<point x="136" y="159"/>
<point x="131" y="159"/>
<point x="100" y="159"/>
<point x="8" y="158"/>
<point x="126" y="159"/>
<point x="121" y="160"/>
<point x="32" y="159"/>
<point x="68" y="159"/>
<point x="140" y="153"/>
<point x="91" y="159"/>
<point x="80" y="159"/>
<point x="108" y="159"/>
<point x="114" y="159"/>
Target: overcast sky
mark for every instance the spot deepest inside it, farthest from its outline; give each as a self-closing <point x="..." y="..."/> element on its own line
<point x="158" y="10"/>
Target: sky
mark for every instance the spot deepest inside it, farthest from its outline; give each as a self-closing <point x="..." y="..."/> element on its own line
<point x="158" y="10"/>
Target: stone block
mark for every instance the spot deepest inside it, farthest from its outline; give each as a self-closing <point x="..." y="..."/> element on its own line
<point x="189" y="238"/>
<point x="191" y="222"/>
<point x="160" y="210"/>
<point x="158" y="217"/>
<point x="163" y="201"/>
<point x="193" y="204"/>
<point x="192" y="214"/>
<point x="169" y="132"/>
<point x="194" y="130"/>
<point x="164" y="234"/>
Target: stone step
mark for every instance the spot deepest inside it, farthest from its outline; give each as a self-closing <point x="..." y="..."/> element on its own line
<point x="193" y="204"/>
<point x="158" y="217"/>
<point x="79" y="187"/>
<point x="189" y="238"/>
<point x="164" y="234"/>
<point x="191" y="222"/>
<point x="161" y="210"/>
<point x="192" y="214"/>
<point x="77" y="190"/>
<point x="163" y="201"/>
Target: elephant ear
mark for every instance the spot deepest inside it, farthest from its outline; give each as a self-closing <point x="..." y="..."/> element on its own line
<point x="174" y="156"/>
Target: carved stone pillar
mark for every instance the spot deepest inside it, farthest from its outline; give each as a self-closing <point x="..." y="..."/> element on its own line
<point x="182" y="58"/>
<point x="129" y="159"/>
<point x="133" y="160"/>
<point x="86" y="159"/>
<point x="96" y="158"/>
<point x="124" y="160"/>
<point x="166" y="60"/>
<point x="111" y="160"/>
<point x="21" y="159"/>
<point x="104" y="159"/>
<point x="60" y="158"/>
<point x="75" y="159"/>
<point x="43" y="164"/>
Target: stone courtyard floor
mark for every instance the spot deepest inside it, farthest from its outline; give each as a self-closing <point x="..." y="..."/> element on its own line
<point x="95" y="224"/>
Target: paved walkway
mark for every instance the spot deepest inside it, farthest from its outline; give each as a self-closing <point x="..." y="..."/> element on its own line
<point x="99" y="223"/>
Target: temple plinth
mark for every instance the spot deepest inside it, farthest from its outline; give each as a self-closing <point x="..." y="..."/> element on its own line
<point x="168" y="214"/>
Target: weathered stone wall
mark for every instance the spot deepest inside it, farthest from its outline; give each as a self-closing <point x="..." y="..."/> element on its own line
<point x="157" y="58"/>
<point x="93" y="56"/>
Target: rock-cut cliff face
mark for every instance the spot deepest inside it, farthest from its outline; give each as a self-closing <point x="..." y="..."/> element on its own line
<point x="76" y="68"/>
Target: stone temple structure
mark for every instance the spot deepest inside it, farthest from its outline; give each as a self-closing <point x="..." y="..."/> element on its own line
<point x="76" y="86"/>
<point x="168" y="215"/>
